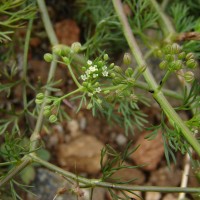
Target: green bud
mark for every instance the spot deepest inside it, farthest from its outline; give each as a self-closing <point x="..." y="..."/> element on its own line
<point x="163" y="64"/>
<point x="127" y="59"/>
<point x="181" y="55"/>
<point x="53" y="118"/>
<point x="76" y="47"/>
<point x="117" y="81"/>
<point x="66" y="60"/>
<point x="189" y="56"/>
<point x="105" y="57"/>
<point x="48" y="100"/>
<point x="159" y="53"/>
<point x="175" y="48"/>
<point x="111" y="66"/>
<point x="85" y="84"/>
<point x="117" y="69"/>
<point x="100" y="63"/>
<point x="129" y="72"/>
<point x="112" y="75"/>
<point x="131" y="81"/>
<point x="191" y="63"/>
<point x="169" y="57"/>
<point x="48" y="57"/>
<point x="56" y="102"/>
<point x="167" y="49"/>
<point x="189" y="76"/>
<point x="38" y="101"/>
<point x="40" y="96"/>
<point x="61" y="50"/>
<point x="89" y="106"/>
<point x="47" y="113"/>
<point x="83" y="68"/>
<point x="178" y="65"/>
<point x="96" y="84"/>
<point x="47" y="107"/>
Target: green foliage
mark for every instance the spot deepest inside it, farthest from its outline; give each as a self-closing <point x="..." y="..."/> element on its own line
<point x="183" y="22"/>
<point x="14" y="14"/>
<point x="143" y="17"/>
<point x="102" y="25"/>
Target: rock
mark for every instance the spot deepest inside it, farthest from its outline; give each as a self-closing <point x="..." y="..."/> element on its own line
<point x="73" y="127"/>
<point x="126" y="174"/>
<point x="67" y="31"/>
<point x="165" y="177"/>
<point x="121" y="139"/>
<point x="152" y="196"/>
<point x="81" y="155"/>
<point x="170" y="197"/>
<point x="149" y="152"/>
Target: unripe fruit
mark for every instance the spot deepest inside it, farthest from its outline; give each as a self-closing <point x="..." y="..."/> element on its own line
<point x="129" y="72"/>
<point x="76" y="47"/>
<point x="189" y="56"/>
<point x="53" y="118"/>
<point x="189" y="76"/>
<point x="163" y="64"/>
<point x="191" y="64"/>
<point x="105" y="57"/>
<point x="175" y="48"/>
<point x="48" y="57"/>
<point x="40" y="96"/>
<point x="169" y="57"/>
<point x="181" y="55"/>
<point x="127" y="59"/>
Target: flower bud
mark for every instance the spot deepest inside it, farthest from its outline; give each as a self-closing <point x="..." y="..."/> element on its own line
<point x="159" y="53"/>
<point x="40" y="96"/>
<point x="38" y="101"/>
<point x="127" y="59"/>
<point x="53" y="118"/>
<point x="66" y="60"/>
<point x="99" y="101"/>
<point x="117" y="81"/>
<point x="111" y="66"/>
<point x="175" y="48"/>
<point x="191" y="63"/>
<point x="178" y="65"/>
<point x="163" y="64"/>
<point x="117" y="69"/>
<point x="167" y="49"/>
<point x="47" y="107"/>
<point x="169" y="57"/>
<point x="129" y="72"/>
<point x="189" y="56"/>
<point x="112" y="75"/>
<point x="48" y="57"/>
<point x="61" y="50"/>
<point x="105" y="57"/>
<point x="181" y="55"/>
<point x="76" y="47"/>
<point x="47" y="113"/>
<point x="189" y="76"/>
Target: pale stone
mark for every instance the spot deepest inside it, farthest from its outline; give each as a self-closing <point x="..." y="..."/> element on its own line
<point x="81" y="155"/>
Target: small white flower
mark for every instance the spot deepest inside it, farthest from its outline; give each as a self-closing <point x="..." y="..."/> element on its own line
<point x="105" y="73"/>
<point x="93" y="68"/>
<point x="84" y="77"/>
<point x="95" y="75"/>
<point x="89" y="62"/>
<point x="88" y="72"/>
<point x="98" y="90"/>
<point x="104" y="68"/>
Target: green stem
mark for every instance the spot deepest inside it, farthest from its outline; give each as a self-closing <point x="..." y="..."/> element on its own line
<point x="165" y="23"/>
<point x="25" y="61"/>
<point x="164" y="79"/>
<point x="15" y="170"/>
<point x="71" y="93"/>
<point x="98" y="183"/>
<point x="158" y="95"/>
<point x="73" y="76"/>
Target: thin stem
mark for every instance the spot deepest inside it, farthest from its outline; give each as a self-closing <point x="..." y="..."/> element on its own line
<point x="164" y="79"/>
<point x="15" y="170"/>
<point x="73" y="76"/>
<point x="71" y="93"/>
<point x="165" y="23"/>
<point x="98" y="183"/>
<point x="25" y="61"/>
<point x="158" y="95"/>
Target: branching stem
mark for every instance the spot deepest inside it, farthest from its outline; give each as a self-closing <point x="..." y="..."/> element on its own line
<point x="158" y="95"/>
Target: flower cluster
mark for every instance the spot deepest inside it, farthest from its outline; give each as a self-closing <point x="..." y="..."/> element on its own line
<point x="50" y="109"/>
<point x="175" y="59"/>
